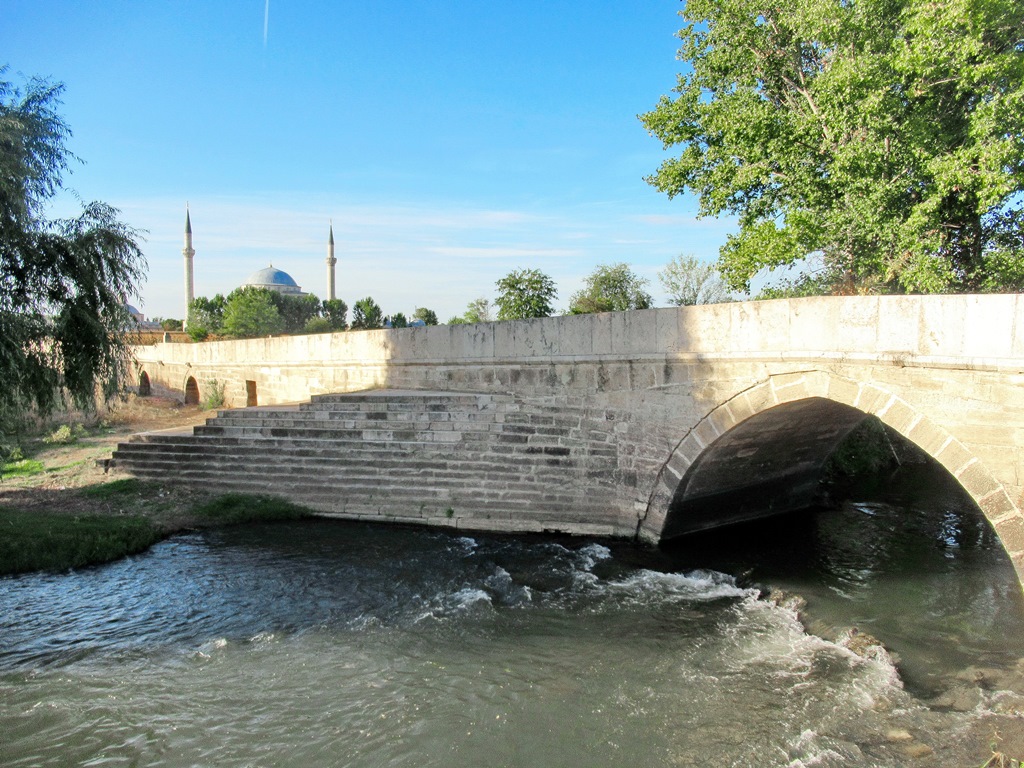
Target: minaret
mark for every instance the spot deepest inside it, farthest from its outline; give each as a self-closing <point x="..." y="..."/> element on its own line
<point x="188" y="252"/>
<point x="331" y="261"/>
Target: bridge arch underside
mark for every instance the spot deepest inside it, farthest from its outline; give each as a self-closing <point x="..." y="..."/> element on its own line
<point x="773" y="460"/>
<point x="769" y="464"/>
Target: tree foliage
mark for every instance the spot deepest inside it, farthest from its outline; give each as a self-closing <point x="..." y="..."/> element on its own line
<point x="367" y="315"/>
<point x="689" y="281"/>
<point x="335" y="312"/>
<point x="398" y="320"/>
<point x="251" y="312"/>
<point x="525" y="293"/>
<point x="63" y="283"/>
<point x="295" y="311"/>
<point x="882" y="135"/>
<point x="610" y="288"/>
<point x="428" y="316"/>
<point x="205" y="317"/>
<point x="477" y="311"/>
<point x="294" y="314"/>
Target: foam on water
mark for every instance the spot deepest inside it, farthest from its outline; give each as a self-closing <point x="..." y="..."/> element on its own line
<point x="416" y="648"/>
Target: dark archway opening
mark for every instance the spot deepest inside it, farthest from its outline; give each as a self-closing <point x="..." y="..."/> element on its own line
<point x="770" y="464"/>
<point x="145" y="388"/>
<point x="191" y="392"/>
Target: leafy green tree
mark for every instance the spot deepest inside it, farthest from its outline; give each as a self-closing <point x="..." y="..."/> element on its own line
<point x="610" y="288"/>
<point x="525" y="293"/>
<point x="428" y="316"/>
<point x="882" y="137"/>
<point x="367" y="315"/>
<point x="318" y="325"/>
<point x="169" y="323"/>
<point x="252" y="312"/>
<point x="399" y="320"/>
<point x="205" y="317"/>
<point x="296" y="311"/>
<point x="335" y="311"/>
<point x="63" y="283"/>
<point x="689" y="281"/>
<point x="478" y="311"/>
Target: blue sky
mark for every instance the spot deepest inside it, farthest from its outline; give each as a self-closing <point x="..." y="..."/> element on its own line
<point x="449" y="142"/>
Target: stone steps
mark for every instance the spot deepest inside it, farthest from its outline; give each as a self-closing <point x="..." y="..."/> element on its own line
<point x="476" y="461"/>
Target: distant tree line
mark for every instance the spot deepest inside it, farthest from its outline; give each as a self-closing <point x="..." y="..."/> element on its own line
<point x="250" y="312"/>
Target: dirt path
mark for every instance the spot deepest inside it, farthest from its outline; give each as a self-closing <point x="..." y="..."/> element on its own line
<point x="67" y="476"/>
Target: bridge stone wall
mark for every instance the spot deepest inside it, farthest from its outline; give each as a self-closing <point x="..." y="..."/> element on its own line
<point x="947" y="372"/>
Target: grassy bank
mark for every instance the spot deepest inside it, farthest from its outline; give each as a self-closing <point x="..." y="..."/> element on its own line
<point x="52" y="541"/>
<point x="60" y="508"/>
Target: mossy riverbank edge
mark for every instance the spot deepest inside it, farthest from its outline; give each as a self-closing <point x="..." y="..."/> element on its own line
<point x="53" y="541"/>
<point x="60" y="507"/>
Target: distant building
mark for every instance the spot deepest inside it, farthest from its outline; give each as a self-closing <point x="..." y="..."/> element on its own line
<point x="275" y="280"/>
<point x="270" y="277"/>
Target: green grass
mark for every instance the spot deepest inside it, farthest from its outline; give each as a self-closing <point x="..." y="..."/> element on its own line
<point x="42" y="541"/>
<point x="34" y="541"/>
<point x="22" y="468"/>
<point x="129" y="486"/>
<point x="233" y="508"/>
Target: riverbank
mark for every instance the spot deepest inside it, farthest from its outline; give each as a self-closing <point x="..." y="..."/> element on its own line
<point x="61" y="508"/>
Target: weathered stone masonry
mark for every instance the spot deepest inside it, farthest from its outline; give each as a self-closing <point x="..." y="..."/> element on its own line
<point x="644" y="395"/>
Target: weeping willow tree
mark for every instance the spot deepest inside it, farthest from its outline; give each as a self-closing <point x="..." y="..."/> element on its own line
<point x="64" y="283"/>
<point x="880" y="140"/>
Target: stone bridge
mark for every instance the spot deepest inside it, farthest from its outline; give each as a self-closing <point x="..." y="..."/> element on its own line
<point x="651" y="423"/>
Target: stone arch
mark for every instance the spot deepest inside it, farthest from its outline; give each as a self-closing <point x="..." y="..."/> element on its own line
<point x="145" y="388"/>
<point x="866" y="398"/>
<point x="191" y="391"/>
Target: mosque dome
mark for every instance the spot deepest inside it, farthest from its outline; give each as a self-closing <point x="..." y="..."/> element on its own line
<point x="274" y="279"/>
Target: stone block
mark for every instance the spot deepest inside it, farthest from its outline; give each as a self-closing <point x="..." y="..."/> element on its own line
<point x="942" y="326"/>
<point x="790" y="386"/>
<point x="899" y="416"/>
<point x="575" y="335"/>
<point x="977" y="481"/>
<point x="504" y="340"/>
<point x="997" y="506"/>
<point x="1011" y="533"/>
<point x="954" y="457"/>
<point x="989" y="324"/>
<point x="812" y="325"/>
<point x="872" y="399"/>
<point x="706" y="328"/>
<point x="706" y="432"/>
<point x="899" y="322"/>
<point x="635" y="332"/>
<point x="691" y="447"/>
<point x="740" y="408"/>
<point x="722" y="419"/>
<point x="760" y="398"/>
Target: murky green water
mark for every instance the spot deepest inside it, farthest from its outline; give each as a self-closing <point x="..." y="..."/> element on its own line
<point x="329" y="644"/>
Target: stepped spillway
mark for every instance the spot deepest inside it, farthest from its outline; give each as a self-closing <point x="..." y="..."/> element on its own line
<point x="470" y="461"/>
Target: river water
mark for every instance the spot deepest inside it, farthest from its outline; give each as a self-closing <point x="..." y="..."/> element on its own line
<point x="334" y="644"/>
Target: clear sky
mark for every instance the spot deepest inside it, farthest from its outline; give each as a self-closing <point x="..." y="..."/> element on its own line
<point x="450" y="141"/>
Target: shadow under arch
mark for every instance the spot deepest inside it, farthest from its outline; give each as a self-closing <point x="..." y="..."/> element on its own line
<point x="723" y="447"/>
<point x="769" y="464"/>
<point x="191" y="391"/>
<point x="145" y="387"/>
